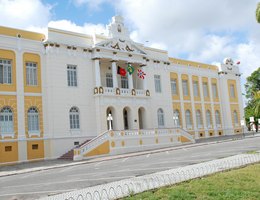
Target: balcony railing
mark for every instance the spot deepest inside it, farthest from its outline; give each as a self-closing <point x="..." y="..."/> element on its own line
<point x="107" y="91"/>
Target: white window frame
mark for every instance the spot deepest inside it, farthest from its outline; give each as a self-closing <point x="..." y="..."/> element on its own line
<point x="124" y="82"/>
<point x="199" y="119"/>
<point x="188" y="119"/>
<point x="157" y="83"/>
<point x="185" y="87"/>
<point x="176" y="113"/>
<point x="174" y="86"/>
<point x="33" y="121"/>
<point x="208" y="119"/>
<point x="109" y="80"/>
<point x="218" y="120"/>
<point x="232" y="91"/>
<point x="6" y="122"/>
<point x="31" y="74"/>
<point x="205" y="89"/>
<point x="74" y="118"/>
<point x="160" y="117"/>
<point x="214" y="91"/>
<point x="72" y="75"/>
<point x="196" y="88"/>
<point x="5" y="71"/>
<point x="235" y="115"/>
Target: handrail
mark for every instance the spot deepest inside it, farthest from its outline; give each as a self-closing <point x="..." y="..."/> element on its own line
<point x="187" y="134"/>
<point x="92" y="143"/>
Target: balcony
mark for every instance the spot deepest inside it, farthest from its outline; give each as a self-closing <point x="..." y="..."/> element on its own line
<point x="108" y="91"/>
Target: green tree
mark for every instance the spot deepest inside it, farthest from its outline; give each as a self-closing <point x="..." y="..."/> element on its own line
<point x="256" y="104"/>
<point x="257" y="12"/>
<point x="253" y="96"/>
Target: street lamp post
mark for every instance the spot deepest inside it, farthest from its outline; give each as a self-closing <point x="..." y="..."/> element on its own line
<point x="175" y="118"/>
<point x="242" y="122"/>
<point x="109" y="119"/>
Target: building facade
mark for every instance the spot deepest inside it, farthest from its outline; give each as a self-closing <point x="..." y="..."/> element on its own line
<point x="56" y="91"/>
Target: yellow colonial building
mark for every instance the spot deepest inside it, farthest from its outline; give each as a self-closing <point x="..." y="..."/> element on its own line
<point x="63" y="91"/>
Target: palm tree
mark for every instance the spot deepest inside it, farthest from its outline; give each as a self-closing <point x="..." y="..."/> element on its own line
<point x="257" y="12"/>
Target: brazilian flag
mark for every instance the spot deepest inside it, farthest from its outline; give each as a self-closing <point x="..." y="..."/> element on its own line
<point x="130" y="69"/>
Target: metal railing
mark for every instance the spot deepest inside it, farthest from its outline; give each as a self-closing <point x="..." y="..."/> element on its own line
<point x="140" y="184"/>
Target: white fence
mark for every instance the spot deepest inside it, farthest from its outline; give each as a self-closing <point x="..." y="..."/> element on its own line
<point x="136" y="185"/>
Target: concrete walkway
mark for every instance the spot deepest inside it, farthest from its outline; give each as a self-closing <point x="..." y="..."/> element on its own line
<point x="52" y="164"/>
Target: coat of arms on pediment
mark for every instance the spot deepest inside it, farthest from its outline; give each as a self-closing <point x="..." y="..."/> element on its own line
<point x="122" y="45"/>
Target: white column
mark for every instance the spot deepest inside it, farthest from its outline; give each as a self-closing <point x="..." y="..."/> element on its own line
<point x="97" y="72"/>
<point x="212" y="106"/>
<point x="114" y="74"/>
<point x="145" y="78"/>
<point x="182" y="103"/>
<point x="203" y="107"/>
<point x="130" y="81"/>
<point x="193" y="107"/>
<point x="22" y="153"/>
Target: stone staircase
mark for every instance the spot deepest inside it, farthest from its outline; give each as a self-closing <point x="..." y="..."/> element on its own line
<point x="69" y="155"/>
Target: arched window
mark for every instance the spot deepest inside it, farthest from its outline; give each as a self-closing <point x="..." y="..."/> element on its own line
<point x="160" y="117"/>
<point x="6" y="120"/>
<point x="217" y="116"/>
<point x="176" y="114"/>
<point x="33" y="120"/>
<point x="74" y="118"/>
<point x="235" y="118"/>
<point x="188" y="119"/>
<point x="198" y="119"/>
<point x="208" y="118"/>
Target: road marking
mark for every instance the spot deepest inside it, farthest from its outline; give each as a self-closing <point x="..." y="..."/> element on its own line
<point x="68" y="181"/>
<point x="167" y="152"/>
<point x="125" y="159"/>
<point x="68" y="168"/>
<point x="147" y="156"/>
<point x="98" y="163"/>
<point x="184" y="149"/>
<point x="39" y="192"/>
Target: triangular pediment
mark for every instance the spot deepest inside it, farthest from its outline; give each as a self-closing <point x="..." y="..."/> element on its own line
<point x="122" y="45"/>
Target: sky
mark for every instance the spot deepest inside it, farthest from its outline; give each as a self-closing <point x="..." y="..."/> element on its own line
<point x="199" y="30"/>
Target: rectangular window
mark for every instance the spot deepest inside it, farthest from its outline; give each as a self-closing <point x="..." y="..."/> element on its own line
<point x="174" y="86"/>
<point x="195" y="88"/>
<point x="5" y="71"/>
<point x="157" y="83"/>
<point x="185" y="88"/>
<point x="124" y="82"/>
<point x="31" y="73"/>
<point x="72" y="75"/>
<point x="205" y="89"/>
<point x="35" y="146"/>
<point x="214" y="91"/>
<point x="109" y="80"/>
<point x="232" y="91"/>
<point x="8" y="148"/>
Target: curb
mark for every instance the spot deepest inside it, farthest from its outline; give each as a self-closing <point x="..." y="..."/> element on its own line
<point x="107" y="158"/>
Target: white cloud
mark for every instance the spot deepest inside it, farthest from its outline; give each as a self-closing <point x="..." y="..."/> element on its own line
<point x="24" y="13"/>
<point x="87" y="28"/>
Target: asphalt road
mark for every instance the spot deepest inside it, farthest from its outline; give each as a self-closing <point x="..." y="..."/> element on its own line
<point x="47" y="182"/>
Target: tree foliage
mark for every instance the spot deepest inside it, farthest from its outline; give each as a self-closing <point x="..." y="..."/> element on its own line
<point x="258" y="13"/>
<point x="253" y="95"/>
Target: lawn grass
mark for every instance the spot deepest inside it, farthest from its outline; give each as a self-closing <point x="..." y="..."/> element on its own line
<point x="239" y="184"/>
